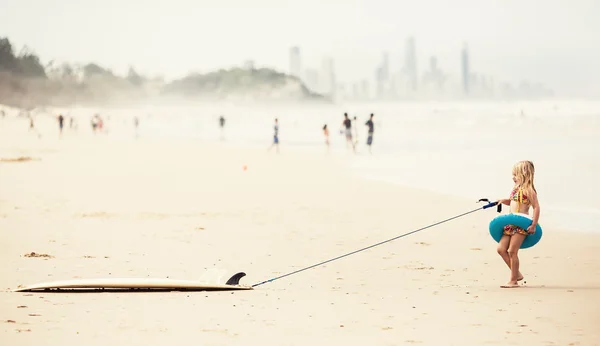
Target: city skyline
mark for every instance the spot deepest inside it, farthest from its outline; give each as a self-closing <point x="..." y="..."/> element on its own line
<point x="513" y="40"/>
<point x="408" y="81"/>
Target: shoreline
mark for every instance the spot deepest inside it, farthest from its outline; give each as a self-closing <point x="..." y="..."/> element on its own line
<point x="387" y="162"/>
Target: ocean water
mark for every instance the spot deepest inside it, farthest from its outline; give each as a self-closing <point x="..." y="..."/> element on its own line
<point x="456" y="148"/>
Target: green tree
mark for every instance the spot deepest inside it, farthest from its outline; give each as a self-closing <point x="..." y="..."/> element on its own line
<point x="8" y="61"/>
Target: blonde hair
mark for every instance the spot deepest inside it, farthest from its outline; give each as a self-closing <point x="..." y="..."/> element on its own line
<point x="525" y="171"/>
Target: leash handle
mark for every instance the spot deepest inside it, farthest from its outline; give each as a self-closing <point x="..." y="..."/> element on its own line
<point x="491" y="204"/>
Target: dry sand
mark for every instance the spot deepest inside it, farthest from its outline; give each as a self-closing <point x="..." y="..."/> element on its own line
<point x="101" y="208"/>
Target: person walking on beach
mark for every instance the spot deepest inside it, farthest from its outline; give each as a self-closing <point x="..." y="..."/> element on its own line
<point x="371" y="126"/>
<point x="222" y="126"/>
<point x="61" y="122"/>
<point x="275" y="136"/>
<point x="347" y="125"/>
<point x="326" y="134"/>
<point x="94" y="123"/>
<point x="522" y="196"/>
<point x="32" y="125"/>
<point x="100" y="124"/>
<point x="355" y="130"/>
<point x="136" y="125"/>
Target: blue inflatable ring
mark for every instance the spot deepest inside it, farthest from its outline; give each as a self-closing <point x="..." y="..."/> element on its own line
<point x="519" y="220"/>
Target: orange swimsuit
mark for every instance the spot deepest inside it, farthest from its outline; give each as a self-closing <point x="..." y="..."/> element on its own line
<point x="518" y="196"/>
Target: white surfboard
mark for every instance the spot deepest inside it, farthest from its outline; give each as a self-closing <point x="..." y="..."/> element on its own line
<point x="136" y="284"/>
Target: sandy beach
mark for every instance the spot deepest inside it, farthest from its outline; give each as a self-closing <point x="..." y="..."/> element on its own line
<point x="178" y="209"/>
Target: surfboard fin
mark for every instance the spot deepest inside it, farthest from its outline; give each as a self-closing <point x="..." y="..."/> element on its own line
<point x="235" y="280"/>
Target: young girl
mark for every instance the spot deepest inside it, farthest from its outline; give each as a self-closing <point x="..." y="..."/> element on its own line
<point x="521" y="198"/>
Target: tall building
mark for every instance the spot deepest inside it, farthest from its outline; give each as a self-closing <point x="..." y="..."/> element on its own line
<point x="312" y="80"/>
<point x="328" y="80"/>
<point x="364" y="90"/>
<point x="295" y="62"/>
<point x="465" y="69"/>
<point x="385" y="66"/>
<point x="410" y="65"/>
<point x="435" y="75"/>
<point x="379" y="82"/>
<point x="249" y="65"/>
<point x="382" y="75"/>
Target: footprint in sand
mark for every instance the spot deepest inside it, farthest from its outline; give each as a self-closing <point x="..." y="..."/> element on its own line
<point x="18" y="159"/>
<point x="418" y="268"/>
<point x="34" y="255"/>
<point x="100" y="214"/>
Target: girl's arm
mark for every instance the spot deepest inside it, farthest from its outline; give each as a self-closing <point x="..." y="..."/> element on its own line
<point x="504" y="201"/>
<point x="536" y="213"/>
<point x="536" y="208"/>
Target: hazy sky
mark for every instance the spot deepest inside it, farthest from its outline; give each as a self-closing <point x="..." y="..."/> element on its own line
<point x="556" y="42"/>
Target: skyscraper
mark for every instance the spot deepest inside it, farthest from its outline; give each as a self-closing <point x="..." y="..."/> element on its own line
<point x="465" y="69"/>
<point x="382" y="75"/>
<point x="295" y="62"/>
<point x="385" y="66"/>
<point x="410" y="66"/>
<point x="249" y="65"/>
<point x="328" y="77"/>
<point x="312" y="80"/>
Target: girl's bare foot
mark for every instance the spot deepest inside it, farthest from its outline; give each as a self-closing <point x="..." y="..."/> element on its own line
<point x="520" y="277"/>
<point x="511" y="284"/>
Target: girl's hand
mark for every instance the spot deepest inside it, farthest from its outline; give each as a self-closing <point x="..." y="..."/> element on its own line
<point x="531" y="229"/>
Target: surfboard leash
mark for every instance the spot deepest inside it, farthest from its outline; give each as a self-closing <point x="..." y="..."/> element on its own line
<point x="488" y="205"/>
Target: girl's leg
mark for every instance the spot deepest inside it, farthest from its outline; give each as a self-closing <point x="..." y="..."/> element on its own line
<point x="513" y="249"/>
<point x="503" y="252"/>
<point x="503" y="249"/>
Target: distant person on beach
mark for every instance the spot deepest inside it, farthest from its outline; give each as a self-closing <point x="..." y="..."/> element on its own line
<point x="275" y="136"/>
<point x="100" y="124"/>
<point x="347" y="125"/>
<point x="522" y="196"/>
<point x="61" y="122"/>
<point x="136" y="125"/>
<point x="94" y="123"/>
<point x="371" y="126"/>
<point x="2" y="113"/>
<point x="326" y="134"/>
<point x="355" y="130"/>
<point x="222" y="125"/>
<point x="32" y="125"/>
